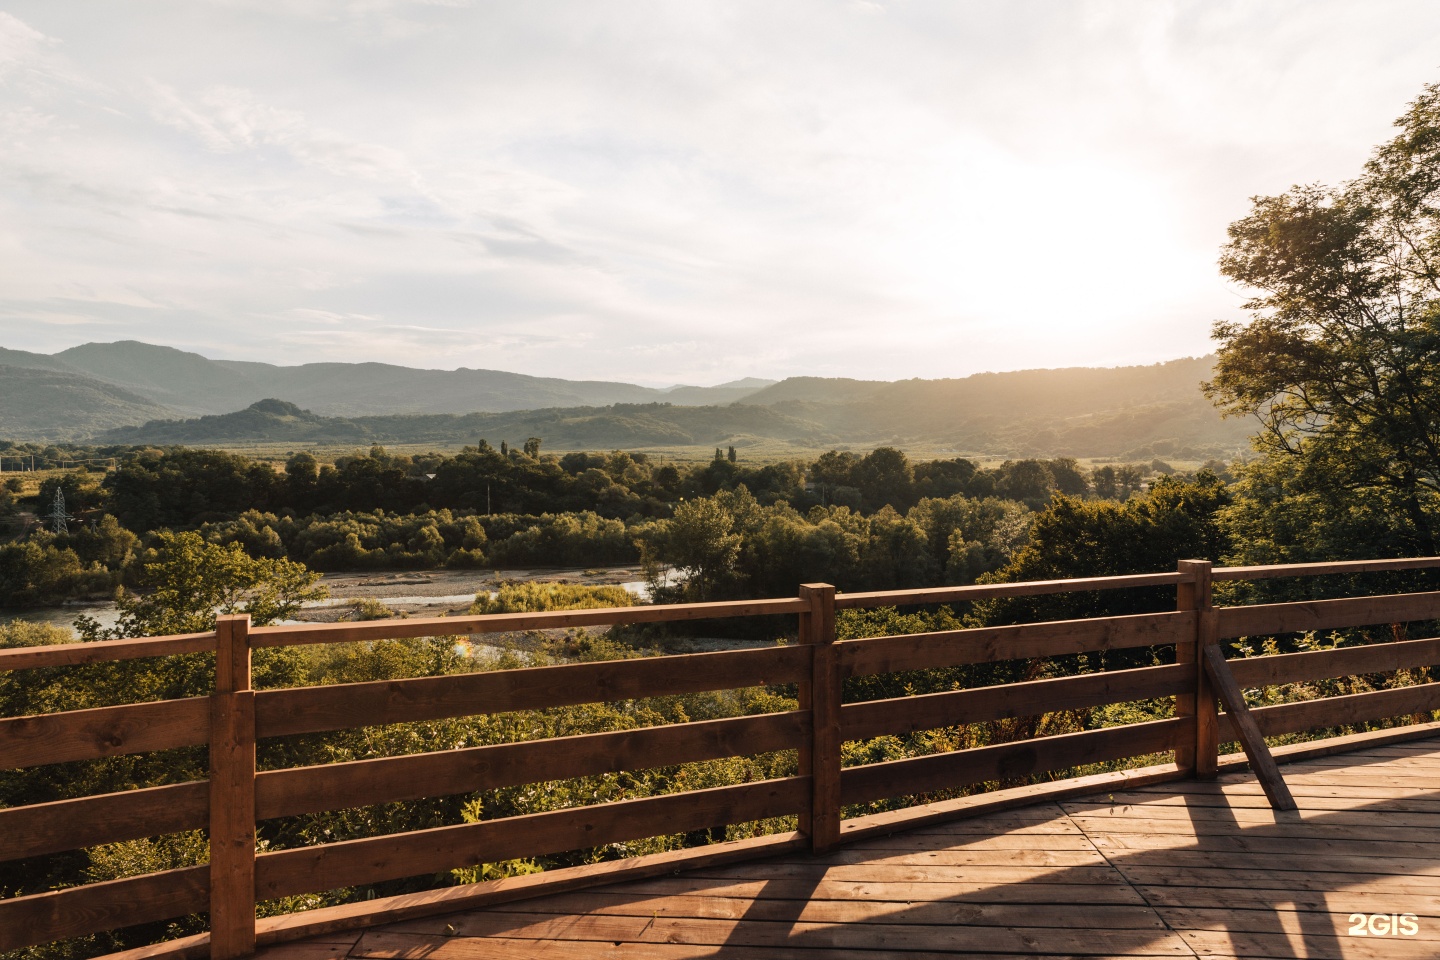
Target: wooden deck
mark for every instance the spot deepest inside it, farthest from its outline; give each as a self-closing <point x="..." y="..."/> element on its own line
<point x="1182" y="869"/>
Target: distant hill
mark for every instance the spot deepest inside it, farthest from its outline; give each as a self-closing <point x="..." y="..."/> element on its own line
<point x="56" y="405"/>
<point x="732" y="392"/>
<point x="131" y="392"/>
<point x="619" y="425"/>
<point x="33" y="361"/>
<point x="193" y="385"/>
<point x="1132" y="412"/>
<point x="818" y="390"/>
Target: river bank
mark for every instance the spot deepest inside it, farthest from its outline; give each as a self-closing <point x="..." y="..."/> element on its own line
<point x="416" y="593"/>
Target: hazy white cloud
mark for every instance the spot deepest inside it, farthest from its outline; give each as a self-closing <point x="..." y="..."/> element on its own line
<point x="668" y="191"/>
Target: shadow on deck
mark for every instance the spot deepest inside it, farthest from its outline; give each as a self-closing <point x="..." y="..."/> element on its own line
<point x="1179" y="869"/>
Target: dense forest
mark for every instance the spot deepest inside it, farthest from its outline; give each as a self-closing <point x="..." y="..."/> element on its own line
<point x="863" y="521"/>
<point x="1339" y="365"/>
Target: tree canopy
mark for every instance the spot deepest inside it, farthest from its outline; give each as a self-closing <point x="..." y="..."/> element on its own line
<point x="1340" y="361"/>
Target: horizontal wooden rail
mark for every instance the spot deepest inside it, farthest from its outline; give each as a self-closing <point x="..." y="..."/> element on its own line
<point x="1271" y="618"/>
<point x="291" y="635"/>
<point x="43" y="828"/>
<point x="1340" y="662"/>
<point x="902" y="715"/>
<point x="280" y="793"/>
<point x="1321" y="569"/>
<point x="1338" y="711"/>
<point x="105" y="651"/>
<point x="343" y="706"/>
<point x="1026" y="588"/>
<point x="1006" y="761"/>
<point x="374" y="859"/>
<point x="924" y="651"/>
<point x="97" y="907"/>
<point x="103" y="732"/>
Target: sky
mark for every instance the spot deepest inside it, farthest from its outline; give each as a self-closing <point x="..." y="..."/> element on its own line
<point x="669" y="191"/>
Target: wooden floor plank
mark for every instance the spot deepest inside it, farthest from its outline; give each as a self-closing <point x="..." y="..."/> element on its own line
<point x="1225" y="874"/>
<point x="1257" y="800"/>
<point x="1373" y="790"/>
<point x="1365" y="901"/>
<point x="1421" y="856"/>
<point x="1246" y="816"/>
<point x="1300" y="922"/>
<point x="946" y="912"/>
<point x="1365" y="761"/>
<point x="309" y="950"/>
<point x="1032" y="892"/>
<point x="1060" y="841"/>
<point x="868" y="937"/>
<point x="1261" y="946"/>
<point x="1426" y="839"/>
<point x="891" y="874"/>
<point x="398" y="947"/>
<point x="962" y="858"/>
<point x="1281" y="866"/>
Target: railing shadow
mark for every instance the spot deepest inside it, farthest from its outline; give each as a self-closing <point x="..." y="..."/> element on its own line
<point x="776" y="916"/>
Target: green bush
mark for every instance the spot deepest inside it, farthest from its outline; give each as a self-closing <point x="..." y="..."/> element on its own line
<point x="538" y="597"/>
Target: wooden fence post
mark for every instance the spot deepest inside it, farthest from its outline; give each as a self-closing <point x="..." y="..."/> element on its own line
<point x="821" y="696"/>
<point x="1201" y="757"/>
<point x="232" y="794"/>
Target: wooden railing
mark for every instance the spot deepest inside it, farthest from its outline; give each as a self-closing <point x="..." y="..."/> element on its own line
<point x="237" y="795"/>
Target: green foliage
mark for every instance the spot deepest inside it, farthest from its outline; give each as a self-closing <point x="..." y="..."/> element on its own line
<point x="186" y="581"/>
<point x="43" y="568"/>
<point x="368" y="608"/>
<point x="731" y="546"/>
<point x="1340" y="361"/>
<point x="182" y="487"/>
<point x="568" y="539"/>
<point x="1175" y="520"/>
<point x="82" y="492"/>
<point x="513" y="597"/>
<point x="23" y="633"/>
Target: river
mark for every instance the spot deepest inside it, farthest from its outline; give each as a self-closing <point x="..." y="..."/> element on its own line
<point x="415" y="592"/>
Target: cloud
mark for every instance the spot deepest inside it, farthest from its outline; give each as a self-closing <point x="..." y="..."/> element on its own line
<point x="21" y="46"/>
<point x="670" y="192"/>
<point x="226" y="119"/>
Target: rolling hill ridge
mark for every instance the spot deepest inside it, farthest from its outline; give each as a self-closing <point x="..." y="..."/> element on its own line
<point x="138" y="393"/>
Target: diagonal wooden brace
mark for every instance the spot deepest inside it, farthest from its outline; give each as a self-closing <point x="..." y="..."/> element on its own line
<point x="1258" y="752"/>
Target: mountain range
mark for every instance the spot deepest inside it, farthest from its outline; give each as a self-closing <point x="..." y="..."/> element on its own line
<point x="189" y="384"/>
<point x="131" y="392"/>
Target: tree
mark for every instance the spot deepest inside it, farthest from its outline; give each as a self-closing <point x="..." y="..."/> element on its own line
<point x="187" y="582"/>
<point x="1340" y="361"/>
<point x="885" y="478"/>
<point x="699" y="542"/>
<point x="1069" y="478"/>
<point x="835" y="469"/>
<point x="1176" y="520"/>
<point x="1029" y="481"/>
<point x="1106" y="487"/>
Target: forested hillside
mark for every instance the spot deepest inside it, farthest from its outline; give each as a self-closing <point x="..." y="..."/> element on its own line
<point x="58" y="405"/>
<point x="194" y="385"/>
<point x="1129" y="412"/>
<point x="138" y="393"/>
